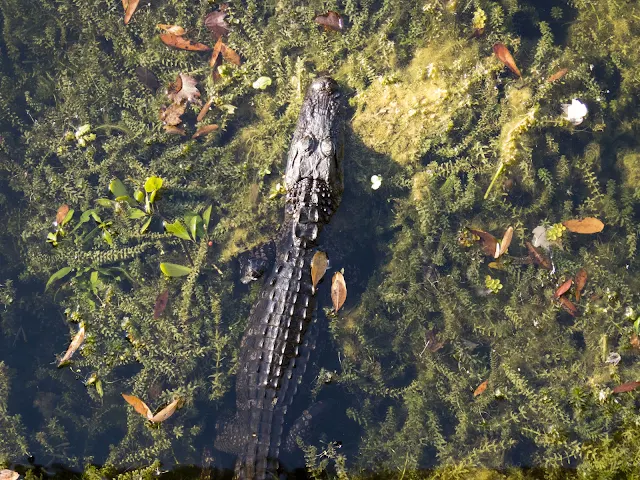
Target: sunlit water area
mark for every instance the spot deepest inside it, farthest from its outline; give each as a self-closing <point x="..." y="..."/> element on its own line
<point x="319" y="240"/>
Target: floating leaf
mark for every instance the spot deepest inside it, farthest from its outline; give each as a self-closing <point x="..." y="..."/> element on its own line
<point x="8" y="475"/>
<point x="99" y="388"/>
<point x="194" y="222"/>
<point x="319" y="264"/>
<point x="166" y="412"/>
<point x="182" y="43"/>
<point x="203" y="112"/>
<point x="138" y="405"/>
<point x="481" y="388"/>
<point x="117" y="188"/>
<point x="562" y="289"/>
<point x="132" y="5"/>
<point x="61" y="213"/>
<point x="581" y="281"/>
<point x="216" y="24"/>
<point x="205" y="130"/>
<point x="174" y="270"/>
<point x="147" y="78"/>
<point x="63" y="272"/>
<point x="489" y="242"/>
<point x="635" y="341"/>
<point x="78" y="339"/>
<point x="206" y="216"/>
<point x="626" y="387"/>
<point x="172" y="115"/>
<point x="161" y="304"/>
<point x="262" y="83"/>
<point x="177" y="229"/>
<point x="537" y="257"/>
<point x="184" y="89"/>
<point x="558" y="75"/>
<point x="136" y="213"/>
<point x="431" y="341"/>
<point x="568" y="306"/>
<point x="152" y="184"/>
<point x="586" y="225"/>
<point x="504" y="55"/>
<point x="172" y="130"/>
<point x="338" y="291"/>
<point x="504" y="244"/>
<point x="330" y="21"/>
<point x="174" y="29"/>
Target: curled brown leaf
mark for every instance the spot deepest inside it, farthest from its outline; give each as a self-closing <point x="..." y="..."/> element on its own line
<point x="504" y="55"/>
<point x="205" y="130"/>
<point x="182" y="43"/>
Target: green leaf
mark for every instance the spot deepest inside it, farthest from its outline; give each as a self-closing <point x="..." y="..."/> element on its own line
<point x="262" y="83"/>
<point x="135" y="213"/>
<point x="126" y="198"/>
<point x="105" y="202"/>
<point x="152" y="184"/>
<point x="146" y="225"/>
<point x="152" y="197"/>
<point x="63" y="272"/>
<point x="99" y="387"/>
<point x="117" y="188"/>
<point x="67" y="217"/>
<point x="206" y="215"/>
<point x="176" y="228"/>
<point x="107" y="237"/>
<point x="93" y="278"/>
<point x="139" y="196"/>
<point x="195" y="226"/>
<point x="174" y="270"/>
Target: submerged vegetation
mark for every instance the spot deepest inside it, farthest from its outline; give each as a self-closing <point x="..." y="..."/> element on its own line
<point x="457" y="105"/>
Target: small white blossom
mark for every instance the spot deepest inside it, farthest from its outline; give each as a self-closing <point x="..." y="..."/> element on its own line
<point x="376" y="181"/>
<point x="575" y="111"/>
<point x="602" y="395"/>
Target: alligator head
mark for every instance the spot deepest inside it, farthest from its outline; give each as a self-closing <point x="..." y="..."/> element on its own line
<point x="317" y="144"/>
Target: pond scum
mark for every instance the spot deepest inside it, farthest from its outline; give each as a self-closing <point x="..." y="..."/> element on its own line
<point x="436" y="116"/>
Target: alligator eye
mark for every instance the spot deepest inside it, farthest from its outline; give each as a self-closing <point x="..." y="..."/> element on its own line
<point x="326" y="147"/>
<point x="308" y="143"/>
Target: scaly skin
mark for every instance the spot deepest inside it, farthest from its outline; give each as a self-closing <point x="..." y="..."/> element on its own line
<point x="274" y="351"/>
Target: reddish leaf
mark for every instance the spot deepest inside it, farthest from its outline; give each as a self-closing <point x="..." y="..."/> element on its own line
<point x="138" y="405"/>
<point x="205" y="130"/>
<point x="558" y="75"/>
<point x="481" y="388"/>
<point x="338" y="291"/>
<point x="216" y="24"/>
<point x="626" y="387"/>
<point x="581" y="281"/>
<point x="204" y="110"/>
<point x="537" y="257"/>
<point x="635" y="341"/>
<point x="230" y="55"/>
<point x="489" y="242"/>
<point x="562" y="289"/>
<point x="216" y="59"/>
<point x="586" y="225"/>
<point x="568" y="306"/>
<point x="504" y="55"/>
<point x="130" y="9"/>
<point x="330" y="21"/>
<point x="182" y="43"/>
<point x="161" y="304"/>
<point x="61" y="213"/>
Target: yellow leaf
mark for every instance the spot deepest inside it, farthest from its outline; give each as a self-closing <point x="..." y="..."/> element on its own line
<point x="73" y="346"/>
<point x="338" y="291"/>
<point x="132" y="5"/>
<point x="166" y="412"/>
<point x="481" y="388"/>
<point x="504" y="244"/>
<point x="586" y="225"/>
<point x="319" y="265"/>
<point x="138" y="405"/>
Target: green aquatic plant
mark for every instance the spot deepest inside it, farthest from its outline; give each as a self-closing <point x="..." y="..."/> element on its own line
<point x="493" y="284"/>
<point x="555" y="231"/>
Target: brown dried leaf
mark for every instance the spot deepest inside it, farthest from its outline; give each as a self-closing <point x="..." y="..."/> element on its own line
<point x="216" y="59"/>
<point x="330" y="21"/>
<point x="77" y="341"/>
<point x="61" y="213"/>
<point x="130" y="9"/>
<point x="184" y="90"/>
<point x="230" y="55"/>
<point x="489" y="242"/>
<point x="581" y="281"/>
<point x="161" y="304"/>
<point x="568" y="306"/>
<point x="182" y="43"/>
<point x="205" y="130"/>
<point x="537" y="257"/>
<point x="431" y="341"/>
<point x="173" y="29"/>
<point x="172" y="114"/>
<point x="166" y="412"/>
<point x="558" y="75"/>
<point x="172" y="130"/>
<point x="147" y="78"/>
<point x="626" y="387"/>
<point x="338" y="291"/>
<point x="204" y="110"/>
<point x="562" y="289"/>
<point x="319" y="264"/>
<point x="504" y="244"/>
<point x="504" y="55"/>
<point x="586" y="225"/>
<point x="8" y="475"/>
<point x="138" y="405"/>
<point x="216" y="24"/>
<point x="481" y="388"/>
<point x="635" y="341"/>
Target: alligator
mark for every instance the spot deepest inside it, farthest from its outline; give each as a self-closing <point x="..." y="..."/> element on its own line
<point x="276" y="345"/>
